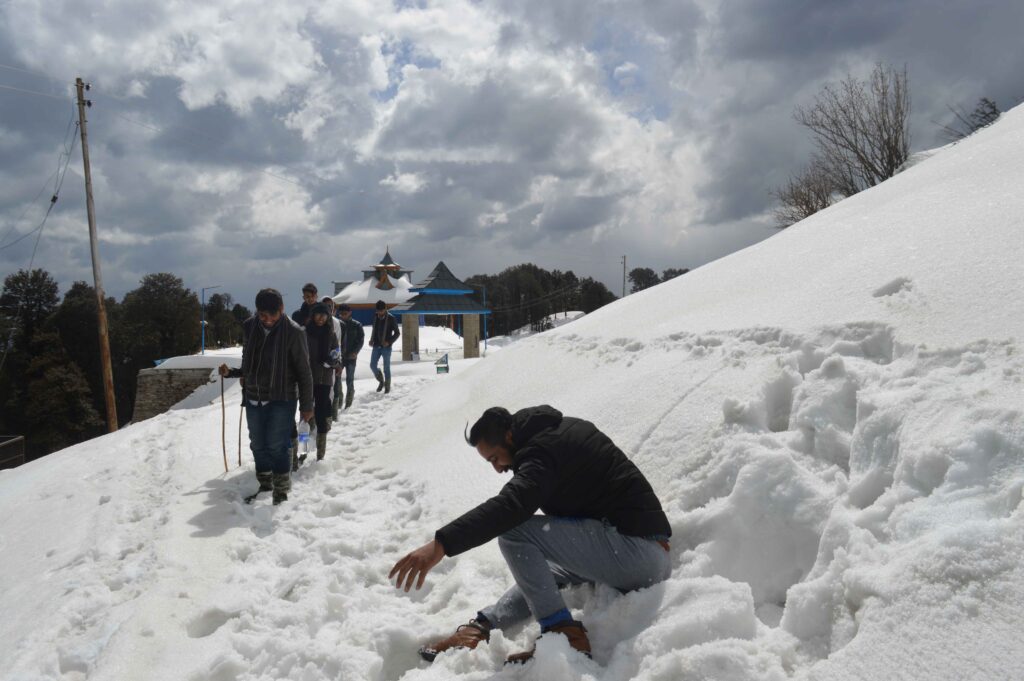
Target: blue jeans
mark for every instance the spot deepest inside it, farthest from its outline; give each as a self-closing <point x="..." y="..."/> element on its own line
<point x="546" y="553"/>
<point x="350" y="372"/>
<point x="375" y="356"/>
<point x="270" y="428"/>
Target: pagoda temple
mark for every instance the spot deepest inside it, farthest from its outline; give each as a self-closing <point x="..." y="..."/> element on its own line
<point x="387" y="281"/>
<point x="442" y="293"/>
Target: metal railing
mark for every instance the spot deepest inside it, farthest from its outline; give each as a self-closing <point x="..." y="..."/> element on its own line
<point x="12" y="451"/>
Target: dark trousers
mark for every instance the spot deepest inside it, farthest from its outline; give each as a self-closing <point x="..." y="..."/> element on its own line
<point x="322" y="407"/>
<point x="350" y="372"/>
<point x="269" y="428"/>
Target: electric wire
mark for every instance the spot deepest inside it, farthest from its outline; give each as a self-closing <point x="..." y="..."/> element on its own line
<point x="32" y="92"/>
<point x="55" y="174"/>
<point x="35" y="247"/>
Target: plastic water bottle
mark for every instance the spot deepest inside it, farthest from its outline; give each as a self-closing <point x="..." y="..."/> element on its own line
<point x="304" y="436"/>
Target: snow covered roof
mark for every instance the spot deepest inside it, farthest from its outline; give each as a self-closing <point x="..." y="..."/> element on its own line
<point x="366" y="292"/>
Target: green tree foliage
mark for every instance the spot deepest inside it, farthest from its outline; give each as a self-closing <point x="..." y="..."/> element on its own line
<point x="525" y="295"/>
<point x="641" y="278"/>
<point x="59" y="408"/>
<point x="159" y="319"/>
<point x="673" y="272"/>
<point x="28" y="298"/>
<point x="240" y="313"/>
<point x="223" y="328"/>
<point x="76" y="322"/>
<point x="163" y="318"/>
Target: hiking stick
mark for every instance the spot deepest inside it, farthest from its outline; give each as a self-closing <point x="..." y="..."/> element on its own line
<point x="241" y="413"/>
<point x="223" y="425"/>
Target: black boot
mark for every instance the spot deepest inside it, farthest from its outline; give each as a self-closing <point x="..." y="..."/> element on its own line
<point x="282" y="485"/>
<point x="387" y="385"/>
<point x="349" y="396"/>
<point x="266" y="480"/>
<point x="321" y="446"/>
<point x="380" y="379"/>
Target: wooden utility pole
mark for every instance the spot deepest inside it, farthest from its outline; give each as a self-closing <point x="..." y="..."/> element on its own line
<point x="101" y="308"/>
<point x="623" y="276"/>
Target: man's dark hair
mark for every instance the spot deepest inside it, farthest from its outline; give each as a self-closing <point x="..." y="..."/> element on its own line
<point x="269" y="300"/>
<point x="381" y="305"/>
<point x="490" y="427"/>
<point x="311" y="287"/>
<point x="344" y="307"/>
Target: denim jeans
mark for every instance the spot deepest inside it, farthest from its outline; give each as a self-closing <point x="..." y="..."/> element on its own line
<point x="350" y="372"/>
<point x="546" y="553"/>
<point x="375" y="356"/>
<point x="270" y="427"/>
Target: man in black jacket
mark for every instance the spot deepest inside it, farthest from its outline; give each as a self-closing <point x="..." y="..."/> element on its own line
<point x="385" y="333"/>
<point x="309" y="293"/>
<point x="352" y="338"/>
<point x="602" y="523"/>
<point x="275" y="374"/>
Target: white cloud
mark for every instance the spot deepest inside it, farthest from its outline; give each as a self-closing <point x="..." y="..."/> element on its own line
<point x="406" y="183"/>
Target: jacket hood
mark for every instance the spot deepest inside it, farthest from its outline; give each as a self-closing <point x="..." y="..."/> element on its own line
<point x="526" y="423"/>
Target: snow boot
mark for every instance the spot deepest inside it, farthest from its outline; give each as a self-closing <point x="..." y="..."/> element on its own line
<point x="266" y="480"/>
<point x="321" y="446"/>
<point x="294" y="449"/>
<point x="572" y="630"/>
<point x="387" y="385"/>
<point x="282" y="485"/>
<point x="348" y="397"/>
<point x="380" y="379"/>
<point x="468" y="635"/>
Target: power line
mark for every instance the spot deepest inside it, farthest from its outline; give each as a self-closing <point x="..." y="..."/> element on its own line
<point x="56" y="188"/>
<point x="31" y="92"/>
<point x="32" y="260"/>
<point x="39" y="74"/>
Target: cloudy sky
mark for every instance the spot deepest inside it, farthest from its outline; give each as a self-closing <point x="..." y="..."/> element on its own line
<point x="249" y="143"/>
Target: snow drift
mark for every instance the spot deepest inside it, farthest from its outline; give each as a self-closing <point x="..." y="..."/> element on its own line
<point x="832" y="419"/>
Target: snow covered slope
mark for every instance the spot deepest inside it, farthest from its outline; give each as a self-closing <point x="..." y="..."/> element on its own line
<point x="832" y="418"/>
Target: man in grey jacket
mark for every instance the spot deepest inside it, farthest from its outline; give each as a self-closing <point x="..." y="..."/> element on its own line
<point x="275" y="375"/>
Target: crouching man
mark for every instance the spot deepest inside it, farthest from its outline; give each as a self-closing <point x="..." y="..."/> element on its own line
<point x="275" y="373"/>
<point x="602" y="524"/>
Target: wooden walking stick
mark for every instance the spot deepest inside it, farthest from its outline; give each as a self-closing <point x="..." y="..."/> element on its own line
<point x="241" y="413"/>
<point x="223" y="425"/>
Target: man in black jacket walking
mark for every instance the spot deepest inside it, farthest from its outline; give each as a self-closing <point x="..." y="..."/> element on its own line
<point x="602" y="523"/>
<point x="385" y="333"/>
<point x="275" y="374"/>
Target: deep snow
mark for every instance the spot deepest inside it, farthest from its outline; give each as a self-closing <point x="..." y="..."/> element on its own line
<point x="832" y="419"/>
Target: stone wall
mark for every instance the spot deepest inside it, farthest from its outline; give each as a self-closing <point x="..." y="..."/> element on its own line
<point x="160" y="389"/>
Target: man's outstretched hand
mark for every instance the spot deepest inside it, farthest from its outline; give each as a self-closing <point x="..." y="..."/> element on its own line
<point x="416" y="565"/>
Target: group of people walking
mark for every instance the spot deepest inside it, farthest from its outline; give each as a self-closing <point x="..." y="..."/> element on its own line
<point x="602" y="521"/>
<point x="300" y="361"/>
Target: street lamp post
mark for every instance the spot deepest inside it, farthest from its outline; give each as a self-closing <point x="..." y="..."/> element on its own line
<point x="202" y="311"/>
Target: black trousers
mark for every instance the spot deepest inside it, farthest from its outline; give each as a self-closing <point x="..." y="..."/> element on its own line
<point x="322" y="407"/>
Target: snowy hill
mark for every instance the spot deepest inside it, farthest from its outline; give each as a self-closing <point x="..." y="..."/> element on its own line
<point x="832" y="418"/>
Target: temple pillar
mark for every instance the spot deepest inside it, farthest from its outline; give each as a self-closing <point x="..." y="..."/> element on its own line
<point x="410" y="336"/>
<point x="471" y="335"/>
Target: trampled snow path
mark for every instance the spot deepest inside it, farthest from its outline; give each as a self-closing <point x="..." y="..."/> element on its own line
<point x="841" y="456"/>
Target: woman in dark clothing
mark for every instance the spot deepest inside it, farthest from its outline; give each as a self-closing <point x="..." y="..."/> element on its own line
<point x="321" y="341"/>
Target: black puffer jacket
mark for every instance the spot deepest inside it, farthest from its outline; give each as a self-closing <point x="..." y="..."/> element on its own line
<point x="565" y="467"/>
